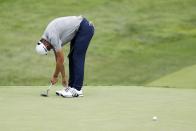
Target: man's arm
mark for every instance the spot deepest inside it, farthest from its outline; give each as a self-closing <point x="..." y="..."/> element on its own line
<point x="59" y="56"/>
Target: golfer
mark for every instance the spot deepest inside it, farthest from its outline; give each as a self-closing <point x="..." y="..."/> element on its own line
<point x="78" y="31"/>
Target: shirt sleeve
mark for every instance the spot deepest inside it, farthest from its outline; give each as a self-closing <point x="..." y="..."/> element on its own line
<point x="56" y="42"/>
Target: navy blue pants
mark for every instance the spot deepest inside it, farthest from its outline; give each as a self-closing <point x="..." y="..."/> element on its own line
<point x="78" y="48"/>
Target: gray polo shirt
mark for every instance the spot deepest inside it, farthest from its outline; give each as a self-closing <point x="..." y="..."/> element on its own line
<point x="62" y="30"/>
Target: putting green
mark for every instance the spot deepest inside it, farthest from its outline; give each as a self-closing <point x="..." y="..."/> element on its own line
<point x="184" y="78"/>
<point x="102" y="109"/>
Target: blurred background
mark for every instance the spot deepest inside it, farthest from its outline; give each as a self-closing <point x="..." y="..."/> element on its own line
<point x="137" y="42"/>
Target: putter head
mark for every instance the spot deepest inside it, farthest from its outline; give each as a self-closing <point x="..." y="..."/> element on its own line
<point x="44" y="94"/>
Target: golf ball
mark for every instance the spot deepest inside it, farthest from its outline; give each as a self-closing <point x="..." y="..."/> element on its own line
<point x="154" y="118"/>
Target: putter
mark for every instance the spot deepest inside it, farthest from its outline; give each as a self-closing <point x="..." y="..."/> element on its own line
<point x="45" y="93"/>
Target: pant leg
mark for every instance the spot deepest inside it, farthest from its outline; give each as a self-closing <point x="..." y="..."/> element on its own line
<point x="77" y="56"/>
<point x="71" y="64"/>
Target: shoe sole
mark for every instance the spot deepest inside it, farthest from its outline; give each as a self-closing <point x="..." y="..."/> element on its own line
<point x="72" y="96"/>
<point x="58" y="94"/>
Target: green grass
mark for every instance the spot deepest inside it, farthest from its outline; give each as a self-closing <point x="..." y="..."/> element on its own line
<point x="114" y="108"/>
<point x="136" y="41"/>
<point x="184" y="78"/>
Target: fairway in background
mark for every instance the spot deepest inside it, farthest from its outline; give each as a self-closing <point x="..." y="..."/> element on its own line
<point x="184" y="78"/>
<point x="136" y="41"/>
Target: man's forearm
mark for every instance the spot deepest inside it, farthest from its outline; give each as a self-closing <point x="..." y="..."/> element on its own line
<point x="59" y="57"/>
<point x="59" y="68"/>
<point x="63" y="71"/>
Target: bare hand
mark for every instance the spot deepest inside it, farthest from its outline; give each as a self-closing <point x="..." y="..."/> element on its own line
<point x="54" y="80"/>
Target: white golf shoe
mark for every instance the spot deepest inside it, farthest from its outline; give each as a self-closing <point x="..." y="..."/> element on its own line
<point x="71" y="92"/>
<point x="59" y="92"/>
<point x="80" y="93"/>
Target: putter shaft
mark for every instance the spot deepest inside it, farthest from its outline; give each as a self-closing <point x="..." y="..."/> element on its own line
<point x="45" y="94"/>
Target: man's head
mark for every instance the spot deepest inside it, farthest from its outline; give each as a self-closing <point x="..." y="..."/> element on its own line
<point x="41" y="48"/>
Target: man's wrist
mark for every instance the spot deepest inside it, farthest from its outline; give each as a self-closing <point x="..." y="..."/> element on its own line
<point x="63" y="77"/>
<point x="55" y="76"/>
